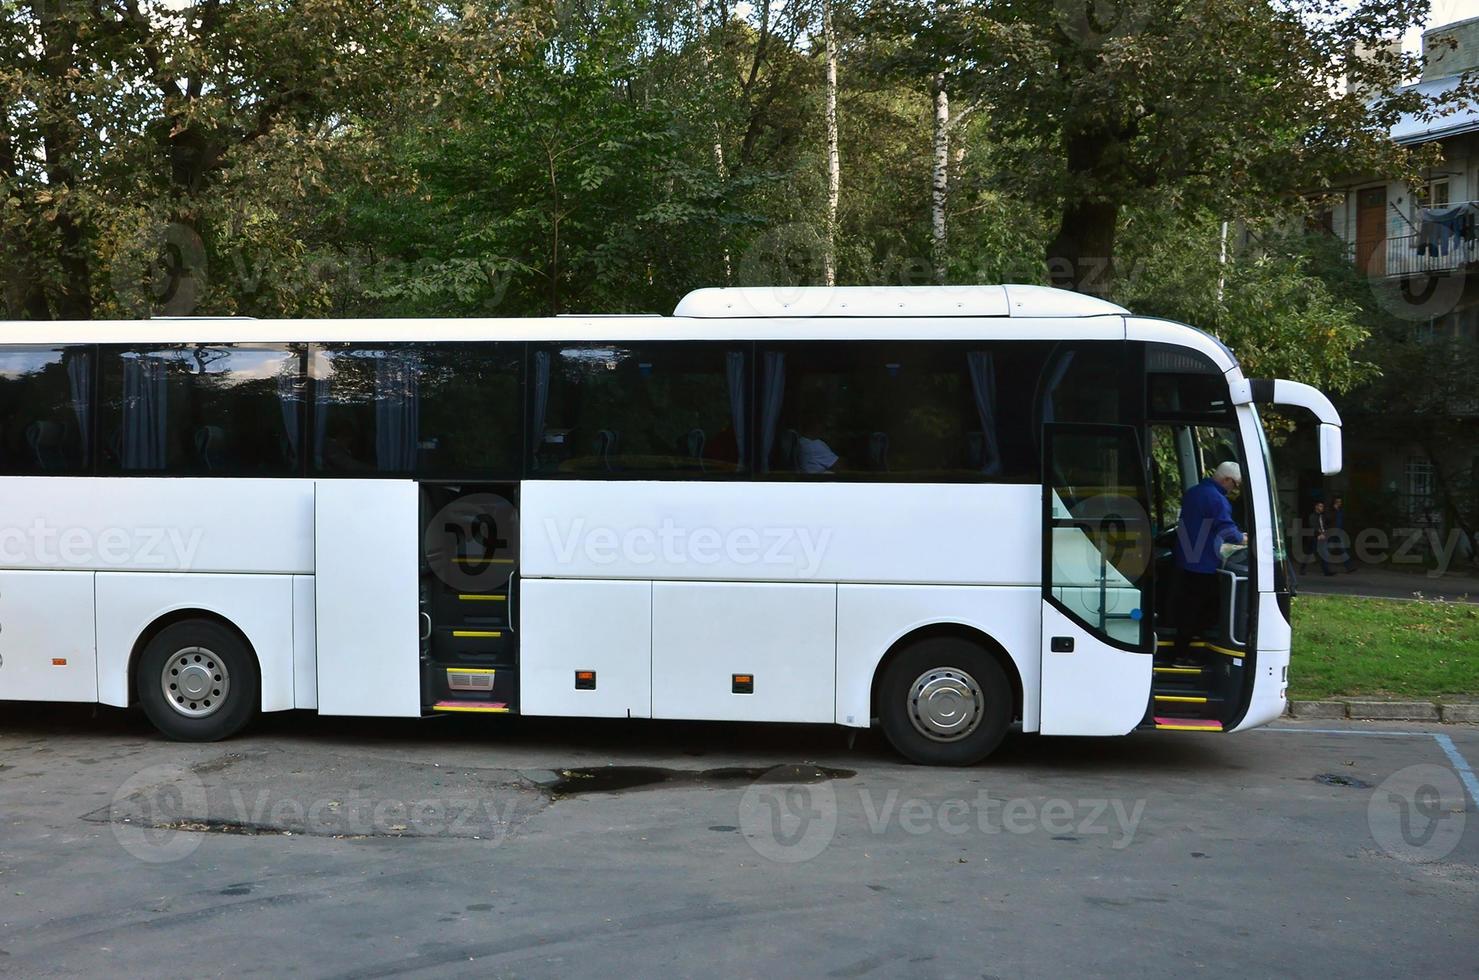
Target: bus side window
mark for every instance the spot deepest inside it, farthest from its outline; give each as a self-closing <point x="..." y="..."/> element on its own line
<point x="45" y="409"/>
<point x="228" y="410"/>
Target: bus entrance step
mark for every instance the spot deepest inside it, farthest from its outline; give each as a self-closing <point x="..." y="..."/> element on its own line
<point x="1185" y="700"/>
<point x="475" y="707"/>
<point x="1180" y="671"/>
<point x="1188" y="725"/>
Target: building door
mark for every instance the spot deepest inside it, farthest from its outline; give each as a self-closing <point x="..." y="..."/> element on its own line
<point x="1371" y="231"/>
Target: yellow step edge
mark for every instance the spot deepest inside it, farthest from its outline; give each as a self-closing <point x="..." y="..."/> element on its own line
<point x="483" y="598"/>
<point x="483" y="561"/>
<point x="1181" y="698"/>
<point x="1178" y="670"/>
<point x="1186" y="728"/>
<point x="1203" y="644"/>
<point x="472" y="709"/>
<point x="477" y="634"/>
<point x="470" y="670"/>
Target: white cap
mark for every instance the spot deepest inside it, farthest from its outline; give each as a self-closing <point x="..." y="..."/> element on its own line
<point x="1227" y="469"/>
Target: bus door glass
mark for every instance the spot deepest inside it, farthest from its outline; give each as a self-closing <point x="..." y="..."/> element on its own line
<point x="1096" y="668"/>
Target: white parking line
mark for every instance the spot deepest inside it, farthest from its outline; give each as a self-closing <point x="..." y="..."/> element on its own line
<point x="1460" y="764"/>
<point x="1465" y="772"/>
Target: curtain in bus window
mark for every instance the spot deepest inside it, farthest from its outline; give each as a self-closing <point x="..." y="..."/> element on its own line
<point x="541" y="401"/>
<point x="289" y="396"/>
<point x="145" y="420"/>
<point x="734" y="370"/>
<point x="321" y="372"/>
<point x="396" y="412"/>
<point x="983" y="387"/>
<point x="79" y="378"/>
<point x="1050" y="390"/>
<point x="772" y="396"/>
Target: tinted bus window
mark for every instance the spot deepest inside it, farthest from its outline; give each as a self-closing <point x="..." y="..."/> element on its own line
<point x="45" y="407"/>
<point x="920" y="411"/>
<point x="205" y="410"/>
<point x="1184" y="382"/>
<point x="1091" y="381"/>
<point x="446" y="410"/>
<point x="655" y="410"/>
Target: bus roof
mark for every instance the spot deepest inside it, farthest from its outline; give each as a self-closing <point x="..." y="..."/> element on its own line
<point x="891" y="301"/>
<point x="1011" y="312"/>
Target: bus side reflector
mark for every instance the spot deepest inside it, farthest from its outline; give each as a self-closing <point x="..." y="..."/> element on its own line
<point x="585" y="680"/>
<point x="744" y="684"/>
<point x="59" y="661"/>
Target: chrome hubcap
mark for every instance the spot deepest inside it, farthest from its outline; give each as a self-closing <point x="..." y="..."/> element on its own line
<point x="195" y="682"/>
<point x="945" y="704"/>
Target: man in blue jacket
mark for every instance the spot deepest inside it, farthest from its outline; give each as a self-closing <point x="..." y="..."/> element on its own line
<point x="1206" y="523"/>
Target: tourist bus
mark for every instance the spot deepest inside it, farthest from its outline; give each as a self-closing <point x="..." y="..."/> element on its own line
<point x="943" y="511"/>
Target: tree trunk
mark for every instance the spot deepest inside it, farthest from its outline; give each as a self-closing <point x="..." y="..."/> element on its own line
<point x="707" y="54"/>
<point x="940" y="182"/>
<point x="1081" y="256"/>
<point x="834" y="177"/>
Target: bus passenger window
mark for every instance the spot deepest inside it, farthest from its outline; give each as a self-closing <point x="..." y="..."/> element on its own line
<point x="677" y="410"/>
<point x="230" y="410"/>
<point x="45" y="400"/>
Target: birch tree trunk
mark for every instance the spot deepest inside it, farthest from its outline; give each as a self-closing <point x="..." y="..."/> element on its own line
<point x="700" y="11"/>
<point x="834" y="177"/>
<point x="940" y="183"/>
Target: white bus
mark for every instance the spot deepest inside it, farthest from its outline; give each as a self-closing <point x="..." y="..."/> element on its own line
<point x="940" y="510"/>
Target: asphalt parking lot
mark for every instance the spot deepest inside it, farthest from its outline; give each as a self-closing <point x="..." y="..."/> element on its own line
<point x="353" y="848"/>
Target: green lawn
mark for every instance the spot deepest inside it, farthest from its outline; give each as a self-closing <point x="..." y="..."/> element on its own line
<point x="1384" y="648"/>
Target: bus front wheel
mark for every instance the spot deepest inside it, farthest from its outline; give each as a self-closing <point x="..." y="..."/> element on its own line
<point x="945" y="702"/>
<point x="197" y="681"/>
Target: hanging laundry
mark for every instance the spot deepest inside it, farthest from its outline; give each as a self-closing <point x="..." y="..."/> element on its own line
<point x="1441" y="230"/>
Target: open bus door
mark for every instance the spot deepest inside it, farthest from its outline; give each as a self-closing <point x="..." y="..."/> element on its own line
<point x="1097" y="641"/>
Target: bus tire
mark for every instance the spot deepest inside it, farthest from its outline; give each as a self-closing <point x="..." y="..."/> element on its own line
<point x="197" y="681"/>
<point x="945" y="701"/>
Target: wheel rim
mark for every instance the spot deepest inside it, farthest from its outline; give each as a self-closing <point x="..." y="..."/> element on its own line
<point x="946" y="704"/>
<point x="195" y="682"/>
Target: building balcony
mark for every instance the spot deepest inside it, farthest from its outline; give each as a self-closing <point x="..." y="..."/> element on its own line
<point x="1445" y="244"/>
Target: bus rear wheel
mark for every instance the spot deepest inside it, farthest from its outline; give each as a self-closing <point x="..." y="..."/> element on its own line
<point x="197" y="681"/>
<point x="945" y="702"/>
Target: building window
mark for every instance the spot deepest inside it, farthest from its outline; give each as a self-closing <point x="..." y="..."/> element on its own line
<point x="1418" y="477"/>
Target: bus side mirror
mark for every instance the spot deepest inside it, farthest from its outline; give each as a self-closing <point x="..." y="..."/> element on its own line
<point x="1330" y="450"/>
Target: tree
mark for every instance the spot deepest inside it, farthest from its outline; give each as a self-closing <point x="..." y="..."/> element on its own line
<point x="1232" y="106"/>
<point x="141" y="140"/>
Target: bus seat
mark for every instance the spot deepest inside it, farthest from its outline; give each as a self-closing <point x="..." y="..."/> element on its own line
<point x="789" y="446"/>
<point x="693" y="446"/>
<point x="975" y="450"/>
<point x="210" y="446"/>
<point x="878" y="451"/>
<point x="45" y="440"/>
<point x="606" y="440"/>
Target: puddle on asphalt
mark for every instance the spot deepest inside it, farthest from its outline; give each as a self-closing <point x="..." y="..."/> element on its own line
<point x="1335" y="779"/>
<point x="615" y="779"/>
